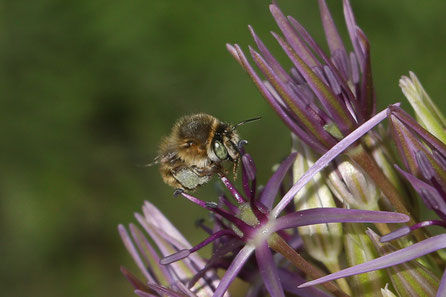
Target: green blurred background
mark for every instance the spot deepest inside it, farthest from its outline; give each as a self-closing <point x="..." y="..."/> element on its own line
<point x="89" y="87"/>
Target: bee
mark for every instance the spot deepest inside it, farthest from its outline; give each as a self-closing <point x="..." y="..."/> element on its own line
<point x="195" y="150"/>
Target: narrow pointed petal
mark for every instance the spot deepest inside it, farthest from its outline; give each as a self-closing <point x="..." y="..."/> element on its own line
<point x="309" y="120"/>
<point x="286" y="118"/>
<point x="150" y="256"/>
<point x="407" y="254"/>
<point x="293" y="39"/>
<point x="155" y="217"/>
<point x="407" y="144"/>
<point x="336" y="215"/>
<point x="233" y="270"/>
<point x="442" y="288"/>
<point x="165" y="291"/>
<point x="429" y="139"/>
<point x="367" y="93"/>
<point x="275" y="65"/>
<point x="334" y="106"/>
<point x="136" y="283"/>
<point x="332" y="36"/>
<point x="342" y="68"/>
<point x="429" y="194"/>
<point x="134" y="252"/>
<point x="351" y="27"/>
<point x="248" y="176"/>
<point x="323" y="161"/>
<point x="268" y="270"/>
<point x="272" y="187"/>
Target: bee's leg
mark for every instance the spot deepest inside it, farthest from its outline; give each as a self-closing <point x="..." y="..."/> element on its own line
<point x="234" y="168"/>
<point x="200" y="171"/>
<point x="177" y="192"/>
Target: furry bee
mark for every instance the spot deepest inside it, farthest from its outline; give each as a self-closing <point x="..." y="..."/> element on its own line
<point x="195" y="149"/>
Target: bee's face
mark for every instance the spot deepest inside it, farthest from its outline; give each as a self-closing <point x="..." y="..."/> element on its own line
<point x="224" y="144"/>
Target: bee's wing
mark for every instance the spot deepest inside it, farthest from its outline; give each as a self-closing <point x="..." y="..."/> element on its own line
<point x="160" y="158"/>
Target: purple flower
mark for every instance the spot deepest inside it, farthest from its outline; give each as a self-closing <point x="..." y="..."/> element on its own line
<point x="323" y="98"/>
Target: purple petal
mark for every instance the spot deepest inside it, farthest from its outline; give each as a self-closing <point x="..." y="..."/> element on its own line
<point x="407" y="254"/>
<point x="232" y="189"/>
<point x="240" y="57"/>
<point x="293" y="39"/>
<point x="342" y="58"/>
<point x="334" y="41"/>
<point x="309" y="120"/>
<point x="403" y="231"/>
<point x="442" y="288"/>
<point x="406" y="143"/>
<point x="273" y="185"/>
<point x="275" y="65"/>
<point x="136" y="283"/>
<point x="429" y="139"/>
<point x="134" y="252"/>
<point x="323" y="161"/>
<point x="249" y="176"/>
<point x="351" y="27"/>
<point x="343" y="64"/>
<point x="268" y="270"/>
<point x="334" y="106"/>
<point x="367" y="94"/>
<point x="248" y="163"/>
<point x="165" y="291"/>
<point x="156" y="218"/>
<point x="336" y="215"/>
<point x="148" y="252"/>
<point x="233" y="270"/>
<point x="429" y="194"/>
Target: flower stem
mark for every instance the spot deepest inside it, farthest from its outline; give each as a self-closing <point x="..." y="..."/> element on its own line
<point x="279" y="245"/>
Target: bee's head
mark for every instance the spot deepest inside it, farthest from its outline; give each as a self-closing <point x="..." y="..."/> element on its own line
<point x="225" y="142"/>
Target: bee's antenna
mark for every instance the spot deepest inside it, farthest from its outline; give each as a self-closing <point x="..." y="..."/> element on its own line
<point x="247" y="121"/>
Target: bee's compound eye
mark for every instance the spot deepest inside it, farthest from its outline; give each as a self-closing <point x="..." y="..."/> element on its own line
<point x="220" y="150"/>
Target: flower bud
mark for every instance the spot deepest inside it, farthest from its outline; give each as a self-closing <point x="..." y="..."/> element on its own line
<point x="426" y="112"/>
<point x="352" y="186"/>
